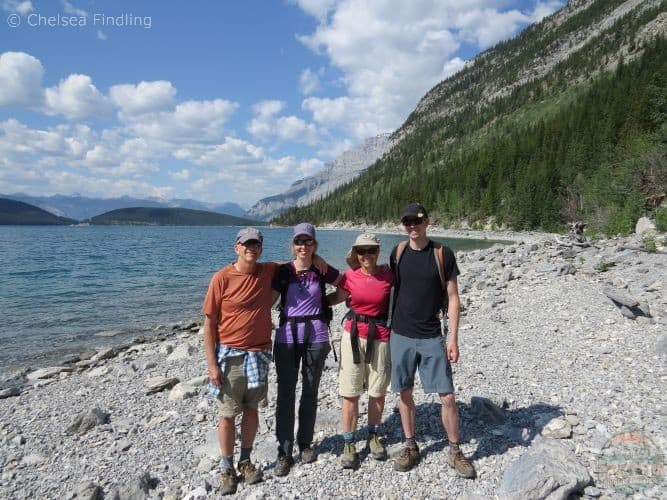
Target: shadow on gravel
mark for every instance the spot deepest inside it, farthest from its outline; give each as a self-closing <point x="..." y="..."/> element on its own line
<point x="520" y="427"/>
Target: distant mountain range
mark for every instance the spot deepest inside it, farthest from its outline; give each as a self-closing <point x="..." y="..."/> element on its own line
<point x="82" y="207"/>
<point x="18" y="213"/>
<point x="335" y="173"/>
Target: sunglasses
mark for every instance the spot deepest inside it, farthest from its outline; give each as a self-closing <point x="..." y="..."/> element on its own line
<point x="252" y="244"/>
<point x="412" y="221"/>
<point x="367" y="251"/>
<point x="307" y="242"/>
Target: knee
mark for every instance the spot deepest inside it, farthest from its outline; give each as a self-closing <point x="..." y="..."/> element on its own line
<point x="448" y="400"/>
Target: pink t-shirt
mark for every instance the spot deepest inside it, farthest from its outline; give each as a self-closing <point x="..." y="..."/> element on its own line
<point x="369" y="295"/>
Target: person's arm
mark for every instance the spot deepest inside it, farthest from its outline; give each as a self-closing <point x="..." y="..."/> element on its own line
<point x="337" y="297"/>
<point x="320" y="264"/>
<point x="210" y="340"/>
<point x="454" y="313"/>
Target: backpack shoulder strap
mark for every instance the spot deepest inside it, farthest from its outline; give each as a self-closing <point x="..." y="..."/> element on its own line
<point x="439" y="254"/>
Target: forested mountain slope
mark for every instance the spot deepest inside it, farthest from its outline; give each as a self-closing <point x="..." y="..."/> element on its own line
<point x="564" y="122"/>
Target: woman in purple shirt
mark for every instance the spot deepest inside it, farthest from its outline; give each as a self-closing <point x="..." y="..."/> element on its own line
<point x="302" y="341"/>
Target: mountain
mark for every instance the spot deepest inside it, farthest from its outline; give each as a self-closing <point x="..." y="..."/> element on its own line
<point x="81" y="207"/>
<point x="158" y="216"/>
<point x="340" y="170"/>
<point x="566" y="121"/>
<point x="14" y="212"/>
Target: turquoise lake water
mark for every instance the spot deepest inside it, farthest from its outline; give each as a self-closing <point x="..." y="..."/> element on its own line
<point x="66" y="288"/>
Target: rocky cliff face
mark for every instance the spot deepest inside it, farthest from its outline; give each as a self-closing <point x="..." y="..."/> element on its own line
<point x="337" y="172"/>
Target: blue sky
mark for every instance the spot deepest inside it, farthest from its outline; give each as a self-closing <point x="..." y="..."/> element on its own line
<point x="219" y="100"/>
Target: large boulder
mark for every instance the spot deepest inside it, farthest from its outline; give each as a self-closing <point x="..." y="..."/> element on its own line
<point x="547" y="470"/>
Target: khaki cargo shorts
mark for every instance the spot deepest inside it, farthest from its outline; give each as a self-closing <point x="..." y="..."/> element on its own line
<point x="374" y="377"/>
<point x="234" y="393"/>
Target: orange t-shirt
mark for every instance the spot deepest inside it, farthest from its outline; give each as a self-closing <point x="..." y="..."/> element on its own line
<point x="242" y="303"/>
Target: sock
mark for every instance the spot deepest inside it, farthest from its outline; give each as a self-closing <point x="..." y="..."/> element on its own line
<point x="286" y="448"/>
<point x="372" y="429"/>
<point x="410" y="442"/>
<point x="245" y="454"/>
<point x="453" y="446"/>
<point x="348" y="437"/>
<point x="227" y="462"/>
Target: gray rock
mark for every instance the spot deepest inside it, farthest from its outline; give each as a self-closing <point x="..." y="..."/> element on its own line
<point x="645" y="227"/>
<point x="182" y="391"/>
<point x="558" y="428"/>
<point x="49" y="372"/>
<point x="487" y="411"/>
<point x="87" y="420"/>
<point x="139" y="488"/>
<point x="621" y="298"/>
<point x="183" y="351"/>
<point x="547" y="470"/>
<point x="89" y="491"/>
<point x="159" y="384"/>
<point x="10" y="392"/>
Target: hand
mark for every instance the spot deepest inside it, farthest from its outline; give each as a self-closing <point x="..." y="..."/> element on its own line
<point x="453" y="351"/>
<point x="320" y="264"/>
<point x="215" y="375"/>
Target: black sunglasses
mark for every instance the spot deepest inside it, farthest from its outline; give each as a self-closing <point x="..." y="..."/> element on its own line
<point x="367" y="251"/>
<point x="308" y="242"/>
<point x="252" y="244"/>
<point x="412" y="221"/>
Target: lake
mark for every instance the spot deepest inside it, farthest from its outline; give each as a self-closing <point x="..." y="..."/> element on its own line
<point x="64" y="288"/>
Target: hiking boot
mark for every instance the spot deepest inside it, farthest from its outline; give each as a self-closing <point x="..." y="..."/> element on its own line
<point x="349" y="459"/>
<point x="249" y="473"/>
<point x="406" y="459"/>
<point x="308" y="455"/>
<point x="228" y="482"/>
<point x="460" y="463"/>
<point x="376" y="448"/>
<point x="283" y="465"/>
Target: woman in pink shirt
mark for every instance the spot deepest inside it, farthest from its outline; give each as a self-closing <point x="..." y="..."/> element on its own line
<point x="365" y="361"/>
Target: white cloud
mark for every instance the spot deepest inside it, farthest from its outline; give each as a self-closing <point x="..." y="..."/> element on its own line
<point x="181" y="175"/>
<point x="68" y="8"/>
<point x="316" y="8"/>
<point x="76" y="97"/>
<point x="190" y="121"/>
<point x="20" y="80"/>
<point x="145" y="97"/>
<point x="266" y="125"/>
<point x="391" y="54"/>
<point x="22" y="8"/>
<point x="309" y="81"/>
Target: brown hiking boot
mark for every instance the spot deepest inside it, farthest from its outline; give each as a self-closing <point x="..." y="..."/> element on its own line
<point x="349" y="459"/>
<point x="249" y="473"/>
<point x="376" y="448"/>
<point x="308" y="455"/>
<point x="460" y="463"/>
<point x="406" y="459"/>
<point x="228" y="482"/>
<point x="283" y="465"/>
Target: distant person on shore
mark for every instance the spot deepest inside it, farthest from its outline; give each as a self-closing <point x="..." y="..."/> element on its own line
<point x="237" y="344"/>
<point x="365" y="362"/>
<point x="426" y="289"/>
<point x="301" y="343"/>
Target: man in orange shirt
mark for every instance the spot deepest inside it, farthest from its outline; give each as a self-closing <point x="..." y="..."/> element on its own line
<point x="237" y="344"/>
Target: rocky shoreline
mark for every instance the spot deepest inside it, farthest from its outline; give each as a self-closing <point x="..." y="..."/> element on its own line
<point x="552" y="368"/>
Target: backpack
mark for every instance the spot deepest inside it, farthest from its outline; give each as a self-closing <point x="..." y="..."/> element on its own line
<point x="439" y="255"/>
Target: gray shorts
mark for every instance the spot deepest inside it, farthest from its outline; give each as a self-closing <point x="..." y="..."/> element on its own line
<point x="429" y="355"/>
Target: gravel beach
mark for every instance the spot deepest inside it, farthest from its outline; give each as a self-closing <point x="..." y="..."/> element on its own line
<point x="563" y="347"/>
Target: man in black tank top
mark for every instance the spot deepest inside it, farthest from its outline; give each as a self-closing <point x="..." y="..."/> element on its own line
<point x="416" y="340"/>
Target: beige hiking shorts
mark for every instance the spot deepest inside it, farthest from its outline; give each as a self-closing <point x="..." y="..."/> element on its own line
<point x="374" y="377"/>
